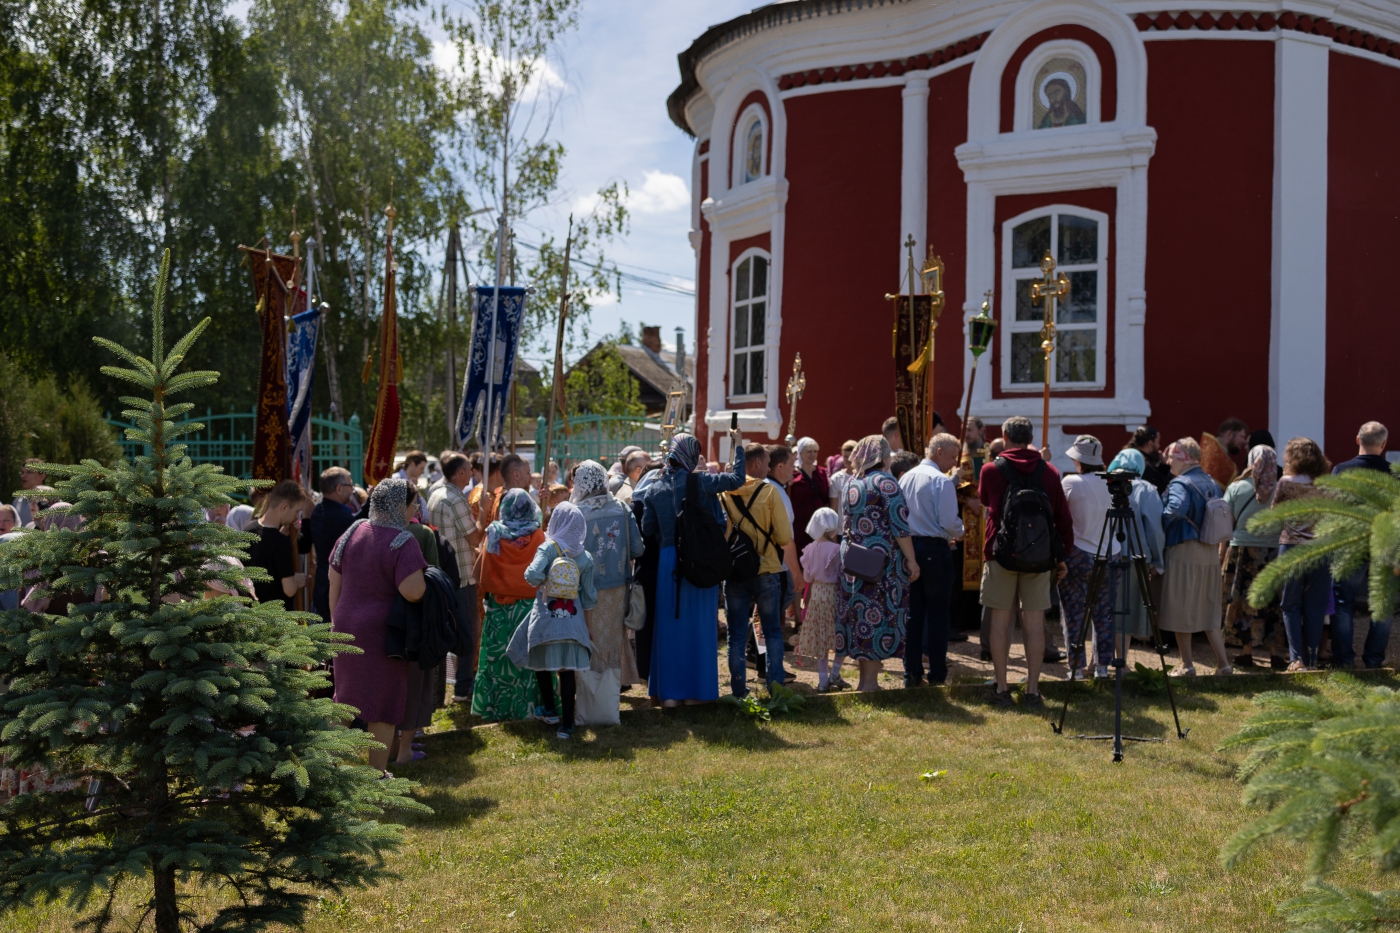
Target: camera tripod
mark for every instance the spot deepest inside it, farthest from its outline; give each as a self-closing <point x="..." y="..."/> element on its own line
<point x="1120" y="525"/>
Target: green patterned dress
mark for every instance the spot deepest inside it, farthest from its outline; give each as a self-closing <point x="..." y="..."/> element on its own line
<point x="502" y="690"/>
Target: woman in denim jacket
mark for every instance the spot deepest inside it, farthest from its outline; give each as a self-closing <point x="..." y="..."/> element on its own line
<point x="1191" y="584"/>
<point x="687" y="618"/>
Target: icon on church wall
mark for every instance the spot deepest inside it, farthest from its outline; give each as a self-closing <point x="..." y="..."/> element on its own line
<point x="753" y="152"/>
<point x="1060" y="92"/>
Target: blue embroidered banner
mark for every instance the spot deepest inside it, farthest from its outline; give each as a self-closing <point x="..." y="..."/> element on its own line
<point x="301" y="371"/>
<point x="491" y="366"/>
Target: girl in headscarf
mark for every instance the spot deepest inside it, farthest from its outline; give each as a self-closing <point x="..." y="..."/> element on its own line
<point x="809" y="490"/>
<point x="614" y="542"/>
<point x="373" y="562"/>
<point x="686" y="617"/>
<point x="554" y="636"/>
<point x="872" y="615"/>
<point x="1246" y="555"/>
<point x="503" y="689"/>
<point x="821" y="565"/>
<point x="1147" y="509"/>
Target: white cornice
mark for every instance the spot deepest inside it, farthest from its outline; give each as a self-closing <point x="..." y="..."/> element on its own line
<point x="1070" y="157"/>
<point x="748" y="209"/>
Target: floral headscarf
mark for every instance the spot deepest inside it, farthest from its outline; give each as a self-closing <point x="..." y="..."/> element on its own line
<point x="567" y="528"/>
<point x="823" y="520"/>
<point x="1263" y="470"/>
<point x="685" y="453"/>
<point x="388" y="508"/>
<point x="519" y="517"/>
<point x="869" y="454"/>
<point x="1131" y="460"/>
<point x="590" y="485"/>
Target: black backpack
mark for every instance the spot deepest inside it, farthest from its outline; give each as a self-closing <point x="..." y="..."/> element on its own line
<point x="702" y="554"/>
<point x="1026" y="540"/>
<point x="747" y="561"/>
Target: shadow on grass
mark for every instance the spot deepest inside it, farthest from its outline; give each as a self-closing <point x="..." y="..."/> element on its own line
<point x="449" y="809"/>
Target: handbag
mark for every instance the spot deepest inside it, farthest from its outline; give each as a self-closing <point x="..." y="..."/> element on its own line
<point x="865" y="563"/>
<point x="634" y="609"/>
<point x="598" y="698"/>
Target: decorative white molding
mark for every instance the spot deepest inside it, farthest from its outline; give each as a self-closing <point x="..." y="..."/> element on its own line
<point x="913" y="185"/>
<point x="1298" y="320"/>
<point x="857" y="84"/>
<point x="1108" y="154"/>
<point x="1058" y="48"/>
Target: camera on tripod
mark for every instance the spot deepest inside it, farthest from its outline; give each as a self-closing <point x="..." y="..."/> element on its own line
<point x="1120" y="486"/>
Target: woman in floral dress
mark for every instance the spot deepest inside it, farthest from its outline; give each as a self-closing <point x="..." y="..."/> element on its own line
<point x="872" y="616"/>
<point x="504" y="690"/>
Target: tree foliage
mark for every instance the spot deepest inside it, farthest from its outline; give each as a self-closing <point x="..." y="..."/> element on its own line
<point x="601" y="384"/>
<point x="179" y="729"/>
<point x="1356" y="523"/>
<point x="40" y="419"/>
<point x="1326" y="769"/>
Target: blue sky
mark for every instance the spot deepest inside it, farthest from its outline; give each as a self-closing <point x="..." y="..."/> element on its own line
<point x="617" y="70"/>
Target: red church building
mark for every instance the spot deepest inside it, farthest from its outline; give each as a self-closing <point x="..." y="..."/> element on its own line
<point x="1219" y="186"/>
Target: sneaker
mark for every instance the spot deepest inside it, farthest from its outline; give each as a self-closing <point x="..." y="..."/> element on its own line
<point x="548" y="717"/>
<point x="840" y="683"/>
<point x="565" y="732"/>
<point x="1032" y="699"/>
<point x="1225" y="671"/>
<point x="1184" y="672"/>
<point x="1051" y="656"/>
<point x="999" y="697"/>
<point x="1101" y="672"/>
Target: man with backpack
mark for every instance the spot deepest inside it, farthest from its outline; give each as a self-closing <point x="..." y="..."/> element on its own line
<point x="759" y="530"/>
<point x="1029" y="532"/>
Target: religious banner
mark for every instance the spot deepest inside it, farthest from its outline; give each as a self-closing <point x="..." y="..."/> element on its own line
<point x="909" y="388"/>
<point x="491" y="366"/>
<point x="384" y="436"/>
<point x="272" y="274"/>
<point x="301" y="369"/>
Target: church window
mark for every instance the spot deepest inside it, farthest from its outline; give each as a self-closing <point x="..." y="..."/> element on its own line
<point x="753" y="151"/>
<point x="1078" y="241"/>
<point x="1060" y="94"/>
<point x="748" y="359"/>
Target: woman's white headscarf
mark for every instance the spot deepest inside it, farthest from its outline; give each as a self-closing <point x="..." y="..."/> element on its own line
<point x="567" y="528"/>
<point x="823" y="520"/>
<point x="590" y="486"/>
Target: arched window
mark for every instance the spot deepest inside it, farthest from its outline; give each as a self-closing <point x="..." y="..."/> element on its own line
<point x="748" y="372"/>
<point x="1078" y="239"/>
<point x="753" y="151"/>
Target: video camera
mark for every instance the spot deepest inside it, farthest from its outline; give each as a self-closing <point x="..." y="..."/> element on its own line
<point x="1120" y="486"/>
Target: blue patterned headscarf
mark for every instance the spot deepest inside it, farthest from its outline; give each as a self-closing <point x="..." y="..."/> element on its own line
<point x="685" y="453"/>
<point x="1130" y="460"/>
<point x="519" y="517"/>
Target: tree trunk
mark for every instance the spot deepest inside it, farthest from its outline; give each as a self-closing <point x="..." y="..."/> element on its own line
<point x="165" y="901"/>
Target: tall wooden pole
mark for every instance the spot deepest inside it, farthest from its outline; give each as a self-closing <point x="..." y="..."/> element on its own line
<point x="555" y="388"/>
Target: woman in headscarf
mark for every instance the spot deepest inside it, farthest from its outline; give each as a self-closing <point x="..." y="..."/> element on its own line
<point x="1247" y="554"/>
<point x="374" y="561"/>
<point x="554" y="636"/>
<point x="503" y="690"/>
<point x="809" y="490"/>
<point x="683" y="641"/>
<point x="1191" y="582"/>
<point x="614" y="542"/>
<point x="1304" y="598"/>
<point x="872" y="615"/>
<point x="1147" y="509"/>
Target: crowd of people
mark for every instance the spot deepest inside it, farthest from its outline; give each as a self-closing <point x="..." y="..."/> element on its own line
<point x="569" y="590"/>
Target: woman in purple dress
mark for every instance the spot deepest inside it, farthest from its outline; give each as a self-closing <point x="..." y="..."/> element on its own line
<point x="373" y="562"/>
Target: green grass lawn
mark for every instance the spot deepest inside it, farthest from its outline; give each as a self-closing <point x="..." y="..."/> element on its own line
<point x="697" y="820"/>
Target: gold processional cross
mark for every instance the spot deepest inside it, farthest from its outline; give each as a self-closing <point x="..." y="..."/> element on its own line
<point x="1047" y="291"/>
<point x="797" y="383"/>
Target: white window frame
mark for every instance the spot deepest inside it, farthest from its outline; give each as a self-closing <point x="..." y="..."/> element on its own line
<point x="761" y="395"/>
<point x="1009" y="278"/>
<point x="1025" y="83"/>
<point x="752" y="114"/>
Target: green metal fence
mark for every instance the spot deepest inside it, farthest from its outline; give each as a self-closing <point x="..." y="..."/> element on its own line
<point x="227" y="440"/>
<point x="598" y="437"/>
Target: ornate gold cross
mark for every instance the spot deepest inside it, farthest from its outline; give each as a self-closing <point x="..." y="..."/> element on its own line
<point x="1047" y="291"/>
<point x="797" y="383"/>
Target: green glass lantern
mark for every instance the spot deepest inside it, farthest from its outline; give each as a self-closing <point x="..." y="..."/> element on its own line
<point x="980" y="330"/>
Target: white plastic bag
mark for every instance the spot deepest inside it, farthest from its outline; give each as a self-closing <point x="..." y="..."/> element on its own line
<point x="598" y="698"/>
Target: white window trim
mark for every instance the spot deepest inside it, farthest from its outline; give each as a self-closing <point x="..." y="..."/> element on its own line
<point x="1008" y="300"/>
<point x="767" y="346"/>
<point x="1024" y="113"/>
<point x="753" y="112"/>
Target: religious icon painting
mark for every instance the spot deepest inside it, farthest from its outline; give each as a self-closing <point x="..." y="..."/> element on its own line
<point x="675" y="403"/>
<point x="1060" y="94"/>
<point x="753" y="152"/>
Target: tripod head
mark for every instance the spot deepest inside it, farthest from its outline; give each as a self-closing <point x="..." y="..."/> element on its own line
<point x="1120" y="486"/>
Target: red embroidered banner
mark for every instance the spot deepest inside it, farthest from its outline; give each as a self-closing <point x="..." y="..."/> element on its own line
<point x="909" y="401"/>
<point x="384" y="436"/>
<point x="273" y="280"/>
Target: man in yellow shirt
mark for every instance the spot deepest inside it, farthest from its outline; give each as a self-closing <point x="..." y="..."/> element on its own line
<point x="757" y="511"/>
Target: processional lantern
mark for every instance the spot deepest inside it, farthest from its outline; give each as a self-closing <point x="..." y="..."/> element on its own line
<point x="979" y="337"/>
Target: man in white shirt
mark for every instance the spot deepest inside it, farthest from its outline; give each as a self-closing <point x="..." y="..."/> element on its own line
<point x="634" y="466"/>
<point x="935" y="522"/>
<point x="1089" y="501"/>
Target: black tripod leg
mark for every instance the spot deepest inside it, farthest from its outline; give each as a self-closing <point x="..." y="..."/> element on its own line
<point x="1140" y="562"/>
<point x="1096" y="577"/>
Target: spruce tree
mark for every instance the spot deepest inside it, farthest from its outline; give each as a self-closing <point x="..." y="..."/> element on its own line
<point x="181" y="727"/>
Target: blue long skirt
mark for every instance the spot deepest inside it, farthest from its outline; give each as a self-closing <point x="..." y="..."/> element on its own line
<point x="684" y="649"/>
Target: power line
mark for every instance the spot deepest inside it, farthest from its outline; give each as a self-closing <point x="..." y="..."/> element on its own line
<point x="627" y="276"/>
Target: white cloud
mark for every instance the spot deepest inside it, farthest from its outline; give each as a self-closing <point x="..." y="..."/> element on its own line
<point x="660" y="193"/>
<point x="546" y="77"/>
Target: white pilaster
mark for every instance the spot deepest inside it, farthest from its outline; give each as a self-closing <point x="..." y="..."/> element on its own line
<point x="913" y="203"/>
<point x="1298" y="325"/>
